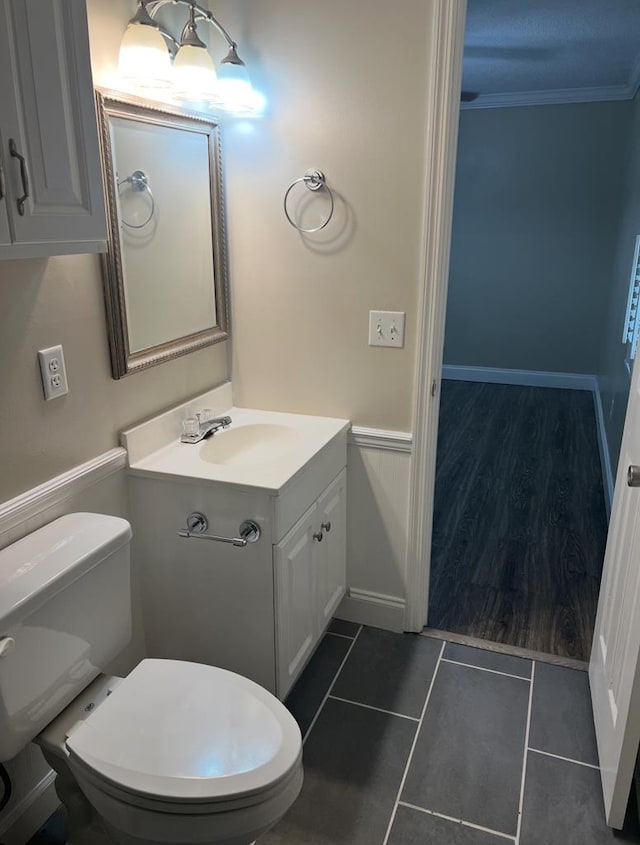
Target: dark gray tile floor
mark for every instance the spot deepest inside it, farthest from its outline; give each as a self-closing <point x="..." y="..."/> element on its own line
<point x="420" y="742"/>
<point x="412" y="741"/>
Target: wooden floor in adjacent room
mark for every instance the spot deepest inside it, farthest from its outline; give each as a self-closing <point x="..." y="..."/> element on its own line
<point x="519" y="519"/>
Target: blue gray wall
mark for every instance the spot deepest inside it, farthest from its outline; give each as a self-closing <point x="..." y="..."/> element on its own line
<point x="539" y="192"/>
<point x="614" y="378"/>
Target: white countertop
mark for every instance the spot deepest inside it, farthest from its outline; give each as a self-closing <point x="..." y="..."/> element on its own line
<point x="261" y="449"/>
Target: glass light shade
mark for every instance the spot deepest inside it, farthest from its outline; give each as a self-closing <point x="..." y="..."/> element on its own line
<point x="235" y="92"/>
<point x="144" y="59"/>
<point x="194" y="73"/>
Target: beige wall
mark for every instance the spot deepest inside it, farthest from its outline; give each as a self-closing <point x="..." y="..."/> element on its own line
<point x="300" y="307"/>
<point x="45" y="302"/>
<point x="345" y="84"/>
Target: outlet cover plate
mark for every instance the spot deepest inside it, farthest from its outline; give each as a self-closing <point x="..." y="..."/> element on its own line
<point x="53" y="372"/>
<point x="386" y="328"/>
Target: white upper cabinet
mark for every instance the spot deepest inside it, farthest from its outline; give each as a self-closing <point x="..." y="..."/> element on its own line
<point x="53" y="199"/>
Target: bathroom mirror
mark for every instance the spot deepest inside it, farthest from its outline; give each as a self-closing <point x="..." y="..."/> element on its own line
<point x="165" y="270"/>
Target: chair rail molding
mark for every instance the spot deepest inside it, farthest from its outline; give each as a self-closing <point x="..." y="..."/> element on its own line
<point x="378" y="438"/>
<point x="445" y="45"/>
<point x="32" y="502"/>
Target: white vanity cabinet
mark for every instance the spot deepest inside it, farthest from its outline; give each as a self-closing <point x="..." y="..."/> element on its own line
<point x="51" y="195"/>
<point x="309" y="573"/>
<point x="258" y="609"/>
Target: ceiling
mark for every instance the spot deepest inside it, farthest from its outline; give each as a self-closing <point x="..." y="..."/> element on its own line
<point x="520" y="52"/>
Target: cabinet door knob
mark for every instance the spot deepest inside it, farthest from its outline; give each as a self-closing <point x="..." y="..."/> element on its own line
<point x="24" y="175"/>
<point x="326" y="526"/>
<point x="318" y="536"/>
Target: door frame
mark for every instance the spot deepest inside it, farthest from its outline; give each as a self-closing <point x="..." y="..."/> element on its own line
<point x="445" y="46"/>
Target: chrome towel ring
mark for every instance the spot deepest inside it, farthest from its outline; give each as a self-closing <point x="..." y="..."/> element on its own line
<point x="139" y="181"/>
<point x="314" y="181"/>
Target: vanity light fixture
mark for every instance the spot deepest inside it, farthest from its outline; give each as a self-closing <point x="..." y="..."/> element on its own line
<point x="147" y="51"/>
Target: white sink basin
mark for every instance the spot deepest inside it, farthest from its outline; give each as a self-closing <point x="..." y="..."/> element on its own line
<point x="260" y="450"/>
<point x="250" y="444"/>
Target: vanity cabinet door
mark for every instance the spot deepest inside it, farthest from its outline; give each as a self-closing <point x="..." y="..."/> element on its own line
<point x="48" y="129"/>
<point x="294" y="559"/>
<point x="331" y="552"/>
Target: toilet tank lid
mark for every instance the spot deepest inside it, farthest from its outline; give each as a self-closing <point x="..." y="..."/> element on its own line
<point x="41" y="564"/>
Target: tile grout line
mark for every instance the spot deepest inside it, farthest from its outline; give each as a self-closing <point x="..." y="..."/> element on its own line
<point x="526" y="752"/>
<point x="371" y="707"/>
<point x="328" y="693"/>
<point x="413" y="744"/>
<point x="565" y="759"/>
<point x="342" y="636"/>
<point x="457" y="821"/>
<point x="485" y="669"/>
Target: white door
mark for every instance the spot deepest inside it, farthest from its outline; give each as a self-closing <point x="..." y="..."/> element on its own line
<point x="615" y="657"/>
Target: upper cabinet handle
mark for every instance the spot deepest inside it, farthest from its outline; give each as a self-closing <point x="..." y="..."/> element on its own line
<point x="24" y="176"/>
<point x="3" y="191"/>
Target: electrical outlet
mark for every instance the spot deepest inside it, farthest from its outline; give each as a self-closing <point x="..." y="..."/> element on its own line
<point x="52" y="370"/>
<point x="386" y="328"/>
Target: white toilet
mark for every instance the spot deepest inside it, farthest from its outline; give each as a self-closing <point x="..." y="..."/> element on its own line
<point x="175" y="752"/>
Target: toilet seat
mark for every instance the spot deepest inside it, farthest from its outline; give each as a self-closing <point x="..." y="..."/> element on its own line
<point x="187" y="734"/>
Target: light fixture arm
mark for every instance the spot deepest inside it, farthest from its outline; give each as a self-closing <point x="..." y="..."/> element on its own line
<point x="193" y="74"/>
<point x="153" y="6"/>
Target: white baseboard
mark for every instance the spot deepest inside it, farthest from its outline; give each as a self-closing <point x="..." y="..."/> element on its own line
<point x="603" y="446"/>
<point x="375" y="609"/>
<point x="527" y="378"/>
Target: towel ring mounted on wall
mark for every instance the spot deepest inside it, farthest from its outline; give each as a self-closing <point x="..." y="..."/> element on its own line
<point x="139" y="181"/>
<point x="314" y="180"/>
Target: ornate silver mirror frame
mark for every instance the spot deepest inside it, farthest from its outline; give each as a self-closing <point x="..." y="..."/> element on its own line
<point x="124" y="359"/>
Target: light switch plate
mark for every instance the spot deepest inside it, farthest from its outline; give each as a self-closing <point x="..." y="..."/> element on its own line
<point x="386" y="328"/>
<point x="53" y="372"/>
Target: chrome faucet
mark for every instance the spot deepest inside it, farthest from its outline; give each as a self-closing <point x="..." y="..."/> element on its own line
<point x="205" y="429"/>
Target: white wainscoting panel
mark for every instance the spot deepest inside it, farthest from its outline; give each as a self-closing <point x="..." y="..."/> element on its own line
<point x="377" y="519"/>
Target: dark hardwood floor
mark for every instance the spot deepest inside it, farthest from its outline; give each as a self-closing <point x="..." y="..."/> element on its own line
<point x="519" y="520"/>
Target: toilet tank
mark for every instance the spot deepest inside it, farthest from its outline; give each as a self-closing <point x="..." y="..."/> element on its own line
<point x="65" y="612"/>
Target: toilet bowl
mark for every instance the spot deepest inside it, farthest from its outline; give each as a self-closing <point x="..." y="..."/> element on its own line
<point x="176" y="752"/>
